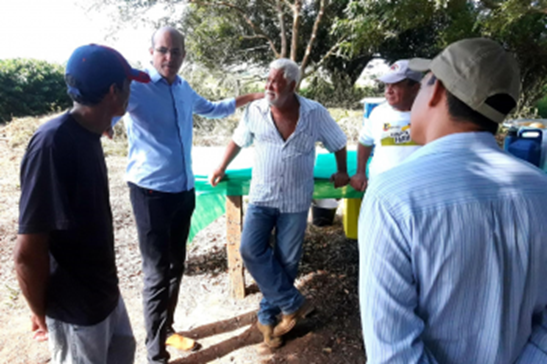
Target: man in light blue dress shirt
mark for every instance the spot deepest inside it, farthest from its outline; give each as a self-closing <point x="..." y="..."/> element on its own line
<point x="453" y="242"/>
<point x="284" y="128"/>
<point x="159" y="124"/>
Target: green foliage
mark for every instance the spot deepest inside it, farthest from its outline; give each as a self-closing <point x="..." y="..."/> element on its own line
<point x="409" y="28"/>
<point x="339" y="93"/>
<point x="229" y="35"/>
<point x="31" y="87"/>
<point x="542" y="107"/>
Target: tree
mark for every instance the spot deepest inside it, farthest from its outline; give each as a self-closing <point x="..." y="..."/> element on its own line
<point x="31" y="87"/>
<point x="341" y="36"/>
<point x="410" y="28"/>
<point x="227" y="34"/>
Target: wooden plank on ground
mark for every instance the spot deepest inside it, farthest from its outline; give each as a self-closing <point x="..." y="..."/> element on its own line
<point x="234" y="223"/>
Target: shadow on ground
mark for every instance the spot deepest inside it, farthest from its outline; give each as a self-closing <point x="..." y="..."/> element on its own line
<point x="328" y="277"/>
<point x="213" y="263"/>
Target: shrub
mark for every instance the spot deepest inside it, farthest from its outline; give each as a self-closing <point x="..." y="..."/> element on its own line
<point x="31" y="87"/>
<point x="542" y="107"/>
<point x="340" y="92"/>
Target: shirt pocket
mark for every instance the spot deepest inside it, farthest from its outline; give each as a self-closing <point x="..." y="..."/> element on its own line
<point x="301" y="144"/>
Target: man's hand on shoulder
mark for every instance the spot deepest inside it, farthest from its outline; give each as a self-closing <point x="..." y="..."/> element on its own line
<point x="245" y="99"/>
<point x="340" y="179"/>
<point x="359" y="181"/>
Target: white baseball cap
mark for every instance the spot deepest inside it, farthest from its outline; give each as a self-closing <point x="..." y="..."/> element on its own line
<point x="399" y="71"/>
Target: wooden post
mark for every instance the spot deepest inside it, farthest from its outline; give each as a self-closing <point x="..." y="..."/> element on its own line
<point x="234" y="223"/>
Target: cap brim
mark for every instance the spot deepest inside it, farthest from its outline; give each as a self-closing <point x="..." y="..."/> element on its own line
<point x="391" y="78"/>
<point x="139" y="76"/>
<point x="419" y="64"/>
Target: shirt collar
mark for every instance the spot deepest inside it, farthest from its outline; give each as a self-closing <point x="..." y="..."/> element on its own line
<point x="458" y="142"/>
<point x="305" y="105"/>
<point x="155" y="76"/>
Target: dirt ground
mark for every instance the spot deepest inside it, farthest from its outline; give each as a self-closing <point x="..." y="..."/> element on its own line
<point x="224" y="327"/>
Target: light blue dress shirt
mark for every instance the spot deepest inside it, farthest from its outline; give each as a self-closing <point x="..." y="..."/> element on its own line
<point x="283" y="170"/>
<point x="453" y="257"/>
<point x="159" y="122"/>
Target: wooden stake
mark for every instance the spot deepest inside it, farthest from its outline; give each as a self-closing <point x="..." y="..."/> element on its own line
<point x="234" y="223"/>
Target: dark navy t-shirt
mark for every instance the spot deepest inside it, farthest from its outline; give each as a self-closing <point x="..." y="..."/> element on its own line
<point x="64" y="192"/>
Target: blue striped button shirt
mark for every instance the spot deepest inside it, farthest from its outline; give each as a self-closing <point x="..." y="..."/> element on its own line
<point x="159" y="124"/>
<point x="453" y="257"/>
<point x="283" y="170"/>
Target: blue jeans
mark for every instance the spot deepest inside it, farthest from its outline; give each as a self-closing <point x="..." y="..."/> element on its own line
<point x="274" y="268"/>
<point x="110" y="341"/>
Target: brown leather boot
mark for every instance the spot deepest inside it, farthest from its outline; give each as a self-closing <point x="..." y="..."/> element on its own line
<point x="269" y="339"/>
<point x="289" y="321"/>
<point x="180" y="342"/>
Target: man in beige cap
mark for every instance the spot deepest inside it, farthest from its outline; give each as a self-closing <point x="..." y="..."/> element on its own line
<point x="453" y="249"/>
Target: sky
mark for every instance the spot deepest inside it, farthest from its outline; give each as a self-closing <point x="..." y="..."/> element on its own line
<point x="51" y="29"/>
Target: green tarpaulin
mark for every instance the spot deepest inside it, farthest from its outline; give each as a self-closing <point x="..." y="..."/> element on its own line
<point x="211" y="201"/>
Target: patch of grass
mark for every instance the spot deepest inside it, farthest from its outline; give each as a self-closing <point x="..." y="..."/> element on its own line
<point x="207" y="132"/>
<point x="13" y="295"/>
<point x="19" y="131"/>
<point x="118" y="145"/>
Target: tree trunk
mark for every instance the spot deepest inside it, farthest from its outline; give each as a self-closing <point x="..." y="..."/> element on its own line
<point x="297" y="7"/>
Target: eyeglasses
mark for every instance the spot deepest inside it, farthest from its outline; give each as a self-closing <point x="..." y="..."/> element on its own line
<point x="174" y="52"/>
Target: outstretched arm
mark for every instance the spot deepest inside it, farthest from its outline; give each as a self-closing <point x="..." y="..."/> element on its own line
<point x="223" y="108"/>
<point x="245" y="99"/>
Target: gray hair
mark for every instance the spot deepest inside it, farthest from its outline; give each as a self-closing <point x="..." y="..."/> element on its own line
<point x="290" y="69"/>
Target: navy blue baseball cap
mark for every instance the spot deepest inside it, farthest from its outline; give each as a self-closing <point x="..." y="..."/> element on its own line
<point x="92" y="69"/>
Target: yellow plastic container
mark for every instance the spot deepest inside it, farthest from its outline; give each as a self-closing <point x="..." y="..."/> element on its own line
<point x="351" y="216"/>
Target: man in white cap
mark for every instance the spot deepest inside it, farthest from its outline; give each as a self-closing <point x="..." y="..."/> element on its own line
<point x="452" y="242"/>
<point x="388" y="127"/>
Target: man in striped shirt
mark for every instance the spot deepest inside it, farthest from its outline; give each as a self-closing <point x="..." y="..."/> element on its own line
<point x="284" y="128"/>
<point x="453" y="242"/>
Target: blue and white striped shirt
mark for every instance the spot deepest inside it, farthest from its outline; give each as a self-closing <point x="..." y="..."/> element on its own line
<point x="453" y="257"/>
<point x="283" y="170"/>
<point x="159" y="122"/>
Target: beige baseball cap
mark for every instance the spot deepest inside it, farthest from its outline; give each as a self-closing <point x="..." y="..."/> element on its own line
<point x="474" y="70"/>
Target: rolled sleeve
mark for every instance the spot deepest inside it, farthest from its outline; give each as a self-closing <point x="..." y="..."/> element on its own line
<point x="366" y="136"/>
<point x="332" y="137"/>
<point x="243" y="136"/>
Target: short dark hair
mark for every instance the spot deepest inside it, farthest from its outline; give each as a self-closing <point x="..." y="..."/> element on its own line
<point x="411" y="83"/>
<point x="459" y="111"/>
<point x="89" y="100"/>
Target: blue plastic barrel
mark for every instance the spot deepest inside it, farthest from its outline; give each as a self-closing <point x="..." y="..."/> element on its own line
<point x="369" y="104"/>
<point x="527" y="145"/>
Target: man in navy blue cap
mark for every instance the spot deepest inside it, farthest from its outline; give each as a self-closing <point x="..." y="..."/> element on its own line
<point x="64" y="255"/>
